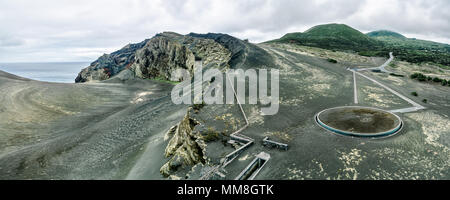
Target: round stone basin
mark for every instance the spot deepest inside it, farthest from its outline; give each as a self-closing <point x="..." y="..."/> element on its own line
<point x="359" y="121"/>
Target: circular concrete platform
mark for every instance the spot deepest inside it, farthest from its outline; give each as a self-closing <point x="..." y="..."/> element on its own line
<point x="359" y="121"/>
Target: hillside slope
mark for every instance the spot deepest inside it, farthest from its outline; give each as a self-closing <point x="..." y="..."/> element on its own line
<point x="385" y="33"/>
<point x="332" y="36"/>
<point x="410" y="49"/>
<point x="341" y="37"/>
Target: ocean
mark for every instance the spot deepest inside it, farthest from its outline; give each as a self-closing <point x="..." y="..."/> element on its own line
<point x="60" y="72"/>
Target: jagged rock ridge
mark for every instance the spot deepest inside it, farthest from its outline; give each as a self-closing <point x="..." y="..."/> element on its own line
<point x="186" y="146"/>
<point x="158" y="57"/>
<point x="110" y="64"/>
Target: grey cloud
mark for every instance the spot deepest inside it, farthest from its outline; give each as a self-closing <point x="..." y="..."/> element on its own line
<point x="10" y="42"/>
<point x="64" y="30"/>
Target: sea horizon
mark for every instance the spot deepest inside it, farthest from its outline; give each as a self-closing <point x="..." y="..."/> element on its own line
<point x="56" y="72"/>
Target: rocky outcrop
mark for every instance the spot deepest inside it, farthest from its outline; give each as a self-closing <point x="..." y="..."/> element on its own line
<point x="243" y="53"/>
<point x="207" y="50"/>
<point x="234" y="45"/>
<point x="109" y="65"/>
<point x="158" y="57"/>
<point x="186" y="146"/>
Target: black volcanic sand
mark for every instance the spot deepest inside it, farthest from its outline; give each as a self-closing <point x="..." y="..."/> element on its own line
<point x="84" y="131"/>
<point x="359" y="120"/>
<point x="96" y="133"/>
<point x="308" y="85"/>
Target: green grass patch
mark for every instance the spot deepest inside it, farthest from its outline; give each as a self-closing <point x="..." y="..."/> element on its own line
<point x="422" y="78"/>
<point x="161" y="79"/>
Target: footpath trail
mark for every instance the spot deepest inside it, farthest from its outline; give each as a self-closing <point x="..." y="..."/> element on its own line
<point x="415" y="107"/>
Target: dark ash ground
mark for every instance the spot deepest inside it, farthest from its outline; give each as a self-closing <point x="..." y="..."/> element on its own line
<point x="115" y="130"/>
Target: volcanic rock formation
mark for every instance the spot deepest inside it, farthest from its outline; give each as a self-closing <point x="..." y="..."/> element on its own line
<point x="157" y="57"/>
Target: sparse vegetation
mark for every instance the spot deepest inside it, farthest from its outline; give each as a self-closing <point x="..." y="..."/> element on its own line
<point x="412" y="50"/>
<point x="421" y="77"/>
<point x="414" y="94"/>
<point x="418" y="76"/>
<point x="424" y="100"/>
<point x="378" y="43"/>
<point x="393" y="65"/>
<point x="437" y="80"/>
<point x="161" y="79"/>
<point x="396" y="75"/>
<point x="211" y="135"/>
<point x="373" y="53"/>
<point x="197" y="107"/>
<point x="331" y="60"/>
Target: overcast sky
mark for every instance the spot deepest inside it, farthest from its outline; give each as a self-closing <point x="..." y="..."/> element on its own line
<point x="82" y="30"/>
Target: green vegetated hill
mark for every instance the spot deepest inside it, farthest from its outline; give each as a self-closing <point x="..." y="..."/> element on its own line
<point x="410" y="49"/>
<point x="376" y="43"/>
<point x="386" y="34"/>
<point x="332" y="36"/>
